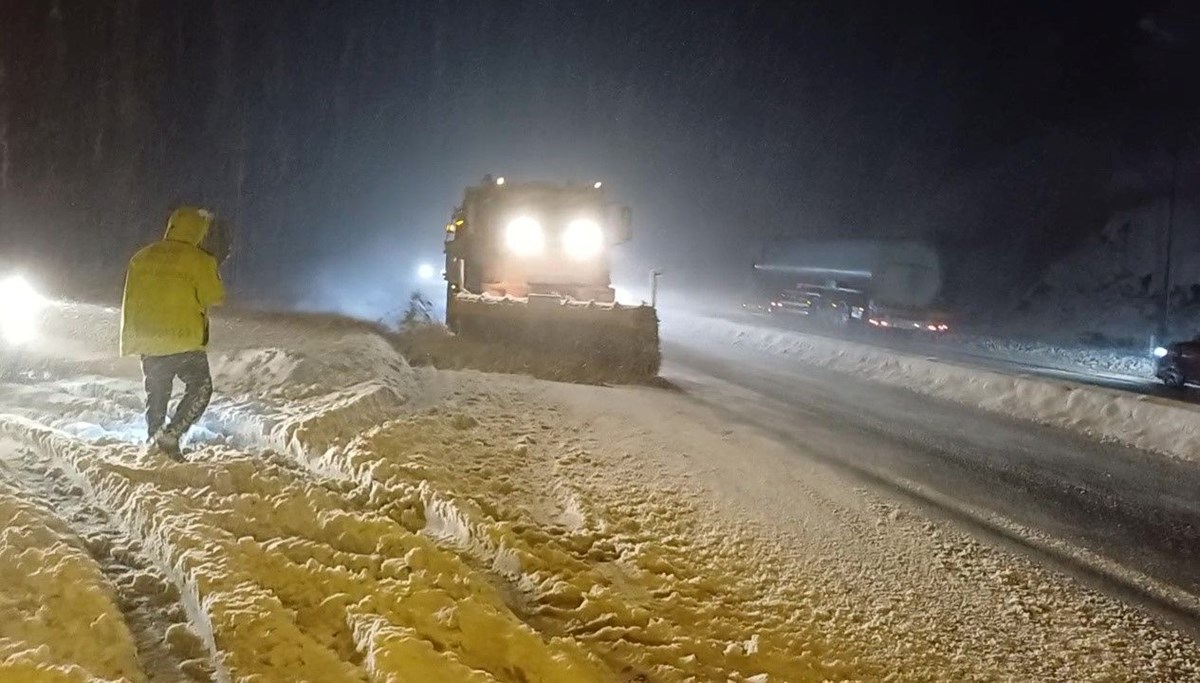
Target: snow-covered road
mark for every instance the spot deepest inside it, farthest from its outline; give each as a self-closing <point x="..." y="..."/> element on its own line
<point x="1047" y="397"/>
<point x="1128" y="518"/>
<point x="345" y="517"/>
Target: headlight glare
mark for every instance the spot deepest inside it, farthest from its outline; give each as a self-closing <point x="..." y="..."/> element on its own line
<point x="524" y="236"/>
<point x="20" y="306"/>
<point x="583" y="239"/>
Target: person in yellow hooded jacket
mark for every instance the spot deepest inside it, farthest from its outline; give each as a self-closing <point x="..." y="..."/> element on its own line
<point x="169" y="287"/>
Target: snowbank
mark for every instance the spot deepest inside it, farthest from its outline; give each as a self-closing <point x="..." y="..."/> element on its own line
<point x="321" y="386"/>
<point x="1069" y="357"/>
<point x="1143" y="422"/>
<point x="275" y="376"/>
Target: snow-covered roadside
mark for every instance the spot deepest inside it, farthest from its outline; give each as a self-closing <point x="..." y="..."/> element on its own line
<point x="50" y="586"/>
<point x="425" y="549"/>
<point x="285" y="572"/>
<point x="346" y="518"/>
<point x="1164" y="427"/>
<point x="1065" y="356"/>
<point x="297" y="579"/>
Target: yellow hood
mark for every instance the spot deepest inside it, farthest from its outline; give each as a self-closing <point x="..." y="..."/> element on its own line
<point x="189" y="224"/>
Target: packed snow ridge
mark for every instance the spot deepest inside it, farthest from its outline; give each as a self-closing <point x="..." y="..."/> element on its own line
<point x="1064" y="356"/>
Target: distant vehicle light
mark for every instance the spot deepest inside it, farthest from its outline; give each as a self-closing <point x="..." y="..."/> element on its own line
<point x="943" y="327"/>
<point x="884" y="323"/>
<point x="1160" y="352"/>
<point x="583" y="239"/>
<point x="932" y="328"/>
<point x="524" y="236"/>
<point x="500" y="180"/>
<point x="20" y="305"/>
<point x="598" y="184"/>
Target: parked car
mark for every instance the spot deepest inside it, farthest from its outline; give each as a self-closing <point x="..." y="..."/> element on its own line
<point x="1178" y="363"/>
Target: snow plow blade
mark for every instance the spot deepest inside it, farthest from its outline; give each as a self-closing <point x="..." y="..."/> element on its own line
<point x="590" y="339"/>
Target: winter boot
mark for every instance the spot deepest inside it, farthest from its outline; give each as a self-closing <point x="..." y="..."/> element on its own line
<point x="168" y="444"/>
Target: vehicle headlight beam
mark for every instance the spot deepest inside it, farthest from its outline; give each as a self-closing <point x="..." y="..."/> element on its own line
<point x="583" y="239"/>
<point x="524" y="236"/>
<point x="20" y="305"/>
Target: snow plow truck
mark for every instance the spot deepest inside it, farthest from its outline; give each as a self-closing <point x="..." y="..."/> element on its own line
<point x="527" y="270"/>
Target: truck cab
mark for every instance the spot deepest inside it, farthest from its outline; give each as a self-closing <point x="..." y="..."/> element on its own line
<point x="521" y="239"/>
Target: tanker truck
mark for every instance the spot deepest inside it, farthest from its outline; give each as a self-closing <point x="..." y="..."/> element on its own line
<point x="883" y="283"/>
<point x="527" y="270"/>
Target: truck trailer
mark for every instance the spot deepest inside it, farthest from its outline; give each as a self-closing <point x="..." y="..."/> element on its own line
<point x="883" y="283"/>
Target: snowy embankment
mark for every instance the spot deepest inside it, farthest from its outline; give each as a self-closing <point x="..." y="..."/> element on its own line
<point x="1143" y="422"/>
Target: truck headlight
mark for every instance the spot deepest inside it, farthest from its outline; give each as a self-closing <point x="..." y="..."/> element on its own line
<point x="1160" y="352"/>
<point x="583" y="239"/>
<point x="20" y="306"/>
<point x="524" y="236"/>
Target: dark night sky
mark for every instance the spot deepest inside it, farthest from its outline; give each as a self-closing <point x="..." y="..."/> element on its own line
<point x="338" y="135"/>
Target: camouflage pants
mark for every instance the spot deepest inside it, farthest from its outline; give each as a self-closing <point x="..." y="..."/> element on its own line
<point x="159" y="373"/>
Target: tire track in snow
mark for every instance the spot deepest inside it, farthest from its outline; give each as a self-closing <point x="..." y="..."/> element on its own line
<point x="59" y="589"/>
<point x="149" y="601"/>
<point x="241" y="563"/>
